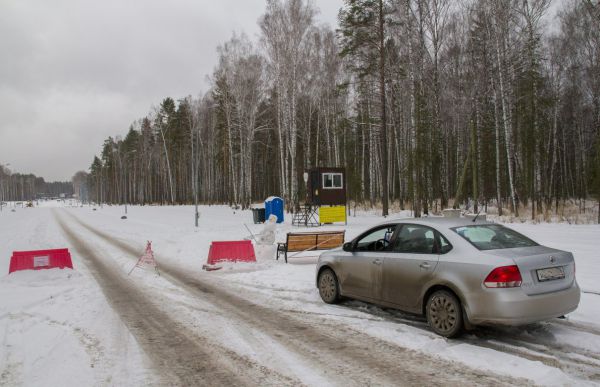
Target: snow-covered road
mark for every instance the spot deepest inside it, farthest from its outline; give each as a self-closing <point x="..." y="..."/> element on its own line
<point x="253" y="324"/>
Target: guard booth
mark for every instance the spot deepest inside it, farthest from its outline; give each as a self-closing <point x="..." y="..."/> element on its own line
<point x="325" y="198"/>
<point x="327" y="186"/>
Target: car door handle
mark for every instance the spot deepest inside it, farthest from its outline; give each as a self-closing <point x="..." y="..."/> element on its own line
<point x="377" y="262"/>
<point x="425" y="265"/>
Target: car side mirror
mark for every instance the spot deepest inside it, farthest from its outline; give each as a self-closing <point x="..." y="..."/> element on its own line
<point x="347" y="246"/>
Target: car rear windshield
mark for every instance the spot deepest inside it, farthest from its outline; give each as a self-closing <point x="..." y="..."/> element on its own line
<point x="493" y="237"/>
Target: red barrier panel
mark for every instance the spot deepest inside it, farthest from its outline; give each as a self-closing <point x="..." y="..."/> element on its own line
<point x="40" y="259"/>
<point x="232" y="251"/>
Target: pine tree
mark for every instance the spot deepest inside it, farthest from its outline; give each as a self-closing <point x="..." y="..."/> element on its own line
<point x="363" y="38"/>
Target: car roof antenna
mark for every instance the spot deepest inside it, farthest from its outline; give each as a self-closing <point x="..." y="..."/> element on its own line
<point x="479" y="212"/>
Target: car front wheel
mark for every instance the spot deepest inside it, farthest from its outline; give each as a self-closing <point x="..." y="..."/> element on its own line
<point x="444" y="314"/>
<point x="328" y="286"/>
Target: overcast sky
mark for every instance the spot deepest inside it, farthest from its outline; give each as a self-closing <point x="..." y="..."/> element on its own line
<point x="74" y="72"/>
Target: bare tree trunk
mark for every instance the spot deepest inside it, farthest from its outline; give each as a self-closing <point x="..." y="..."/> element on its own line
<point x="497" y="132"/>
<point x="282" y="147"/>
<point x="506" y="122"/>
<point x="168" y="166"/>
<point x="474" y="161"/>
<point x="413" y="126"/>
<point x="384" y="144"/>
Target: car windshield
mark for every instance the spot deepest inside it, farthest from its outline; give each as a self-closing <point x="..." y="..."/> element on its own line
<point x="493" y="237"/>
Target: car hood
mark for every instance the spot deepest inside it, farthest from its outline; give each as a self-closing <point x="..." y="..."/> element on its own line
<point x="335" y="251"/>
<point x="330" y="254"/>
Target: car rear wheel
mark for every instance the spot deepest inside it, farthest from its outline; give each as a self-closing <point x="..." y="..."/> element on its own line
<point x="328" y="287"/>
<point x="444" y="313"/>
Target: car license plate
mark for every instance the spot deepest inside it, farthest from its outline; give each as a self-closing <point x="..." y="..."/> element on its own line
<point x="551" y="273"/>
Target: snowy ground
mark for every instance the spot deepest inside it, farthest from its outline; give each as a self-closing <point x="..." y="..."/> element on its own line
<point x="269" y="318"/>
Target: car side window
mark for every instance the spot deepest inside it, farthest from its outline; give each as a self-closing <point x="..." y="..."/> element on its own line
<point x="379" y="239"/>
<point x="445" y="246"/>
<point x="416" y="239"/>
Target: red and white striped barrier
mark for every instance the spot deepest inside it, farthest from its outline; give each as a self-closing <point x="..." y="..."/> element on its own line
<point x="147" y="259"/>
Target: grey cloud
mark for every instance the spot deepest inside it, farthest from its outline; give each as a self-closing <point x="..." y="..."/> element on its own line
<point x="75" y="72"/>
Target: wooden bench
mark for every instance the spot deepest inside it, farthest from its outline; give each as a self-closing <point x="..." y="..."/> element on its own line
<point x="310" y="241"/>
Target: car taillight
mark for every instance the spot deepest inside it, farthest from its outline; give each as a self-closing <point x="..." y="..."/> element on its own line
<point x="504" y="277"/>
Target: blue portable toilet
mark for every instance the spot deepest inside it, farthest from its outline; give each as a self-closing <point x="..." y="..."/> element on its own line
<point x="274" y="205"/>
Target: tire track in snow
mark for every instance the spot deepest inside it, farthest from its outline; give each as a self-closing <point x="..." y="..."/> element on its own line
<point x="530" y="342"/>
<point x="348" y="356"/>
<point x="541" y="346"/>
<point x="179" y="356"/>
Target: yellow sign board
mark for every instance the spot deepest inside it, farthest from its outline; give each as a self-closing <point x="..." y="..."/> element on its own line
<point x="332" y="214"/>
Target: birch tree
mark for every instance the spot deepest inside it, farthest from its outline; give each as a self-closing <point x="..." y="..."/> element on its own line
<point x="285" y="26"/>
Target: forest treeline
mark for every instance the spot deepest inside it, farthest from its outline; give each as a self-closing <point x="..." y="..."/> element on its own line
<point x="21" y="187"/>
<point x="426" y="103"/>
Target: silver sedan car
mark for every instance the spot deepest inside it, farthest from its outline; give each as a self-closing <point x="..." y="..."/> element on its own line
<point x="455" y="271"/>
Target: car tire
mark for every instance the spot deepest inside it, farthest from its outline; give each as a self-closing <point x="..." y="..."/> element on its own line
<point x="444" y="314"/>
<point x="329" y="289"/>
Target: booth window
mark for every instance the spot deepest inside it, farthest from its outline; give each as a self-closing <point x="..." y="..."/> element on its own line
<point x="332" y="181"/>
